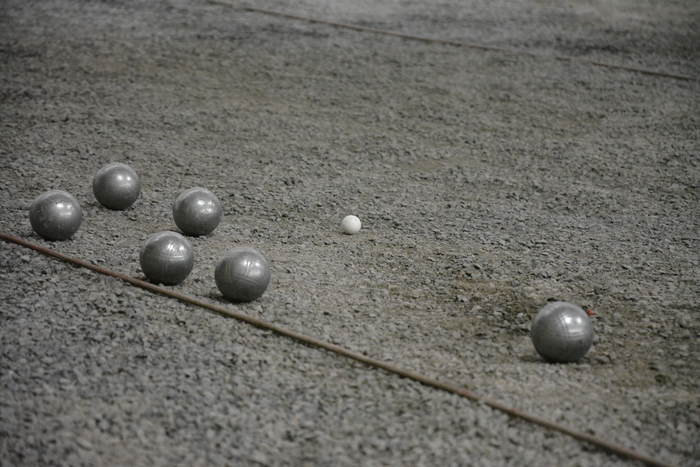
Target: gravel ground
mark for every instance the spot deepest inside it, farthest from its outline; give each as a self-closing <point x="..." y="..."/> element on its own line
<point x="488" y="182"/>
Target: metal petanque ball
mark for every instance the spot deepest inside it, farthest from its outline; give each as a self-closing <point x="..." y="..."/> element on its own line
<point x="166" y="258"/>
<point x="197" y="211"/>
<point x="116" y="186"/>
<point x="242" y="274"/>
<point x="562" y="332"/>
<point x="55" y="215"/>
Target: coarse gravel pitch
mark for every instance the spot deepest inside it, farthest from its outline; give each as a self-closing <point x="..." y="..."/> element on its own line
<point x="488" y="183"/>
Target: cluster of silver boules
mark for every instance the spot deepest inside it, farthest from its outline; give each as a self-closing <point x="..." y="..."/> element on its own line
<point x="562" y="332"/>
<point x="55" y="215"/>
<point x="242" y="274"/>
<point x="116" y="186"/>
<point x="166" y="258"/>
<point x="197" y="211"/>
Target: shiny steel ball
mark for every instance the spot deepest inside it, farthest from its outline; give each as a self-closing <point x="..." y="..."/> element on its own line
<point x="166" y="258"/>
<point x="242" y="274"/>
<point x="197" y="211"/>
<point x="55" y="215"/>
<point x="116" y="186"/>
<point x="562" y="332"/>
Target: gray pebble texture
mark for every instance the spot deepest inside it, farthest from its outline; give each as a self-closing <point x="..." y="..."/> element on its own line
<point x="488" y="183"/>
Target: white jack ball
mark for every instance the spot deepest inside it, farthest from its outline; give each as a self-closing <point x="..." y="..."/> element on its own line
<point x="350" y="225"/>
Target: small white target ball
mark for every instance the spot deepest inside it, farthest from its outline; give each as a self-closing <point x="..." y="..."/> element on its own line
<point x="350" y="225"/>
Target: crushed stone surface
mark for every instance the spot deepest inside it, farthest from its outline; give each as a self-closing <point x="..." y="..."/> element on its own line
<point x="488" y="183"/>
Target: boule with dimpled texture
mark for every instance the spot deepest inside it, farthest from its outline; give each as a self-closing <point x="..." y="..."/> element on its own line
<point x="197" y="211"/>
<point x="242" y="274"/>
<point x="562" y="332"/>
<point x="116" y="186"/>
<point x="55" y="215"/>
<point x="166" y="258"/>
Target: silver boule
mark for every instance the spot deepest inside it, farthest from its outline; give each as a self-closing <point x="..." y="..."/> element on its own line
<point x="116" y="186"/>
<point x="197" y="211"/>
<point x="166" y="258"/>
<point x="562" y="332"/>
<point x="242" y="274"/>
<point x="55" y="215"/>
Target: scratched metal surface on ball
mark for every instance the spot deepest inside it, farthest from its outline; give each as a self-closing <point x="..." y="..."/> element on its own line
<point x="562" y="332"/>
<point x="242" y="274"/>
<point x="55" y="215"/>
<point x="116" y="186"/>
<point x="197" y="211"/>
<point x="167" y="258"/>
